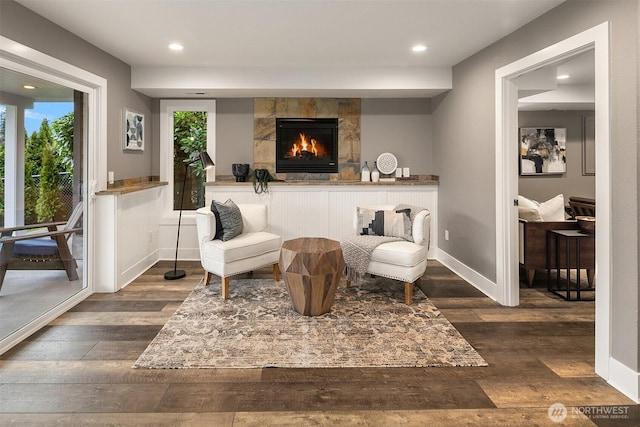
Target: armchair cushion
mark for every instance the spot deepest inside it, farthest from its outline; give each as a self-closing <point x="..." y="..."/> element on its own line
<point x="400" y="253"/>
<point x="244" y="246"/>
<point x="230" y="218"/>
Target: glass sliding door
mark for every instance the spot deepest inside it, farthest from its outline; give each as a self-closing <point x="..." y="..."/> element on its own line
<point x="43" y="146"/>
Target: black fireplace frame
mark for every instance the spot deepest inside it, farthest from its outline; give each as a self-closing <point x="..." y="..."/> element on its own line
<point x="285" y="126"/>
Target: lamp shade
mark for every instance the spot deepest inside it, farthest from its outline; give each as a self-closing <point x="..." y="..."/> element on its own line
<point x="206" y="161"/>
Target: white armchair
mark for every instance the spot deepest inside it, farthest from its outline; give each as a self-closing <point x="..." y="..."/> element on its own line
<point x="401" y="260"/>
<point x="254" y="248"/>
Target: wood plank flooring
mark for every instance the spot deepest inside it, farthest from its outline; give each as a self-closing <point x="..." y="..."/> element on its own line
<point x="77" y="370"/>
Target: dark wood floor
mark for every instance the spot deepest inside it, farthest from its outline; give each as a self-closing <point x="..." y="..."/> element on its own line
<point x="77" y="370"/>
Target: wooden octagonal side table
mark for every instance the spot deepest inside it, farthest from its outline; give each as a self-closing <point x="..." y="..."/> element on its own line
<point x="311" y="268"/>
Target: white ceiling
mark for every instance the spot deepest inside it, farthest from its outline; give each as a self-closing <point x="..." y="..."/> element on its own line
<point x="240" y="33"/>
<point x="575" y="93"/>
<point x="295" y="34"/>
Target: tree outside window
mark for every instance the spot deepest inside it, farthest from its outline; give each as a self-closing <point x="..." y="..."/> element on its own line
<point x="189" y="139"/>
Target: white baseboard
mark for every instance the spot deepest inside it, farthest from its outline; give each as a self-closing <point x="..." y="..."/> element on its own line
<point x="625" y="379"/>
<point x="132" y="273"/>
<point x="476" y="279"/>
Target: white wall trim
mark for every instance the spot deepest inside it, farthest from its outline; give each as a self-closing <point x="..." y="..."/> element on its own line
<point x="474" y="278"/>
<point x="506" y="175"/>
<point x="624" y="379"/>
<point x="136" y="270"/>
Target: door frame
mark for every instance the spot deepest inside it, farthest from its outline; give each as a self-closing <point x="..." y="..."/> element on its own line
<point x="596" y="38"/>
<point x="18" y="57"/>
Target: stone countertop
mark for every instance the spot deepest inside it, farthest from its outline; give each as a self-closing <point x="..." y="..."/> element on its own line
<point x="131" y="185"/>
<point x="418" y="180"/>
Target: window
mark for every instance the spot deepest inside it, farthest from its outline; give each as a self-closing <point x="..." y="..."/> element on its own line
<point x="187" y="127"/>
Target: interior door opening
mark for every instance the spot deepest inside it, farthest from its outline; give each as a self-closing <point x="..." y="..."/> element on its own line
<point x="596" y="38"/>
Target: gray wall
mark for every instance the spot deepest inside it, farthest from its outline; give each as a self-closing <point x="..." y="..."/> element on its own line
<point x="464" y="149"/>
<point x="234" y="133"/>
<point x="572" y="183"/>
<point x="400" y="126"/>
<point x="23" y="26"/>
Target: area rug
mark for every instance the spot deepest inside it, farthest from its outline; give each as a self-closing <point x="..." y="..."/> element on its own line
<point x="368" y="326"/>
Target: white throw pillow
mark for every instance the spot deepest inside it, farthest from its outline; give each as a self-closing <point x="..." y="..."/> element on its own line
<point x="528" y="209"/>
<point x="530" y="214"/>
<point x="553" y="209"/>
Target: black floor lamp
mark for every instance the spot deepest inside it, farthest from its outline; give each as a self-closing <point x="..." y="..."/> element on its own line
<point x="206" y="163"/>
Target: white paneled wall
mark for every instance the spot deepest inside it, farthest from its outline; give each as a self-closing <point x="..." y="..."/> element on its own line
<point x="128" y="236"/>
<point x="325" y="210"/>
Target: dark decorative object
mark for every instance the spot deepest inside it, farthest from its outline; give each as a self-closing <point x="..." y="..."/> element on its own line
<point x="207" y="163"/>
<point x="587" y="224"/>
<point x="261" y="179"/>
<point x="240" y="171"/>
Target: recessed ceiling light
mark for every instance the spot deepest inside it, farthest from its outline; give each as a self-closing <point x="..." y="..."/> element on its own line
<point x="563" y="76"/>
<point x="419" y="48"/>
<point x="176" y="46"/>
<point x="30" y="87"/>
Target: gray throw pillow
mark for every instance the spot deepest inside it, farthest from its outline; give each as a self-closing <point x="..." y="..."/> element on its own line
<point x="218" y="235"/>
<point x="231" y="219"/>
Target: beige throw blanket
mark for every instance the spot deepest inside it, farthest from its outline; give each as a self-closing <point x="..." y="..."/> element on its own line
<point x="357" y="250"/>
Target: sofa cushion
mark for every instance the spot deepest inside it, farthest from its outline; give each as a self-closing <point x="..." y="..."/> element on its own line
<point x="231" y="219"/>
<point x="388" y="223"/>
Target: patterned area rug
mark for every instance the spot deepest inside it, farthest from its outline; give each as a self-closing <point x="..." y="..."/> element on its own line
<point x="368" y="326"/>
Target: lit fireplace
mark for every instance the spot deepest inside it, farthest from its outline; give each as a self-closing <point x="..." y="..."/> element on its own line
<point x="307" y="145"/>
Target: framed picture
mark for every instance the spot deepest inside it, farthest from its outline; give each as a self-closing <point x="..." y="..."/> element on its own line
<point x="543" y="151"/>
<point x="133" y="135"/>
<point x="588" y="145"/>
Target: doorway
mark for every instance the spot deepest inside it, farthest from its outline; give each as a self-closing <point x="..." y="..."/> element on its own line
<point x="596" y="38"/>
<point x="41" y="160"/>
<point x="85" y="92"/>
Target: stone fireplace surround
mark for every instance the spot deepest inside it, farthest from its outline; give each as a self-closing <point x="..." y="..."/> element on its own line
<point x="347" y="110"/>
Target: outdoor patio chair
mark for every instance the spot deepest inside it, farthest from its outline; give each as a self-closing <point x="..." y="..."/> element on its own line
<point x="29" y="247"/>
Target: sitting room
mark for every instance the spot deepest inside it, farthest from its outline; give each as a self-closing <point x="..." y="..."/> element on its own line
<point x="310" y="213"/>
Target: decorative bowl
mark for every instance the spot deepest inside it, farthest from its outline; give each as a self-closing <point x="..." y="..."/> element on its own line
<point x="587" y="224"/>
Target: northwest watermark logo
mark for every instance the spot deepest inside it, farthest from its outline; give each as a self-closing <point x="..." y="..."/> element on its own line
<point x="557" y="412"/>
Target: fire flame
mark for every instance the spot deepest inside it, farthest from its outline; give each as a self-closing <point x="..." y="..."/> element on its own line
<point x="303" y="145"/>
